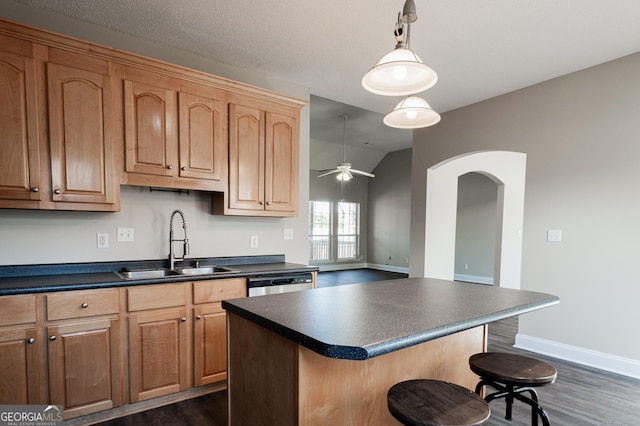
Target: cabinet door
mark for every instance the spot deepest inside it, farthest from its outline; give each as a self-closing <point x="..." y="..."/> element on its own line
<point x="84" y="372"/>
<point x="19" y="151"/>
<point x="81" y="135"/>
<point x="246" y="158"/>
<point x="157" y="354"/>
<point x="210" y="344"/>
<point x="19" y="369"/>
<point x="150" y="132"/>
<point x="203" y="141"/>
<point x="282" y="157"/>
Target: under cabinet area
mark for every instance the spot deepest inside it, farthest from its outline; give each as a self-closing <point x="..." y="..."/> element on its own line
<point x="84" y="346"/>
<point x="101" y="349"/>
<point x="19" y="342"/>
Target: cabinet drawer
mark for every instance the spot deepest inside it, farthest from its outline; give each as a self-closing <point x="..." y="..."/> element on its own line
<point x="17" y="310"/>
<point x="156" y="296"/>
<point x="82" y="303"/>
<point x="217" y="290"/>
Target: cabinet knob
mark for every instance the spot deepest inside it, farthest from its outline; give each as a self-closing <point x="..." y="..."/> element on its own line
<point x="52" y="338"/>
<point x="31" y="340"/>
<point x="198" y="317"/>
<point x="84" y="305"/>
<point x="183" y="319"/>
<point x="183" y="168"/>
<point x="35" y="189"/>
<point x="169" y="166"/>
<point x="261" y="202"/>
<point x="56" y="191"/>
<point x="268" y="203"/>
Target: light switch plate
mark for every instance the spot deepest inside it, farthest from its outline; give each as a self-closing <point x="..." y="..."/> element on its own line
<point x="125" y="235"/>
<point x="554" y="235"/>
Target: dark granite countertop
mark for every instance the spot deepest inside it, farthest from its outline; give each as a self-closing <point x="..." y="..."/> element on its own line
<point x="26" y="279"/>
<point x="361" y="321"/>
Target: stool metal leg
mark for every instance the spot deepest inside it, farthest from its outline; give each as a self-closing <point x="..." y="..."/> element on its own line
<point x="511" y="392"/>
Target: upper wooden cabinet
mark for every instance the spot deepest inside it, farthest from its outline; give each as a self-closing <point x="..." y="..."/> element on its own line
<point x="20" y="154"/>
<point x="81" y="130"/>
<point x="264" y="155"/>
<point x="175" y="133"/>
<point x="74" y="168"/>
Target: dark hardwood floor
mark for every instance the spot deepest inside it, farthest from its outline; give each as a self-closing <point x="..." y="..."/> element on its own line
<point x="580" y="396"/>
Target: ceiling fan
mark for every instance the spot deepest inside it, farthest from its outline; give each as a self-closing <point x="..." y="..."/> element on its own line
<point x="344" y="170"/>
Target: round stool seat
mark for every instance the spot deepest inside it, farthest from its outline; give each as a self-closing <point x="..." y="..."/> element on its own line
<point x="433" y="402"/>
<point x="512" y="368"/>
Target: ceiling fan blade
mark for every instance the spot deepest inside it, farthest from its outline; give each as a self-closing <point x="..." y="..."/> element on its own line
<point x="360" y="172"/>
<point x="328" y="173"/>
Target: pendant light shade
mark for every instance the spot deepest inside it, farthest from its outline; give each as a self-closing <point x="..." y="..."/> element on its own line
<point x="399" y="73"/>
<point x="412" y="112"/>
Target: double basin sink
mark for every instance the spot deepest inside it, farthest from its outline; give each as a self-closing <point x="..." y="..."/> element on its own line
<point x="142" y="274"/>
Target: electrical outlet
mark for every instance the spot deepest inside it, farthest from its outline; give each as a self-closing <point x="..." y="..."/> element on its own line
<point x="254" y="241"/>
<point x="287" y="234"/>
<point x="102" y="240"/>
<point x="554" y="235"/>
<point x="125" y="235"/>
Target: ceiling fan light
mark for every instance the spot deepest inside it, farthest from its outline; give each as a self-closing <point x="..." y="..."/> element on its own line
<point x="412" y="112"/>
<point x="398" y="73"/>
<point x="344" y="176"/>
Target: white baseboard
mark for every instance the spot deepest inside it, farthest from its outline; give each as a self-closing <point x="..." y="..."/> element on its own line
<point x="340" y="266"/>
<point x="473" y="279"/>
<point x="388" y="268"/>
<point x="615" y="364"/>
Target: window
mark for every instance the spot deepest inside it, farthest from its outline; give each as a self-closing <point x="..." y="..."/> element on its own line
<point x="348" y="230"/>
<point x="334" y="231"/>
<point x="320" y="230"/>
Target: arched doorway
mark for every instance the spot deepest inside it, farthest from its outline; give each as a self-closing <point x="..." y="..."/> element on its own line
<point x="476" y="229"/>
<point x="505" y="168"/>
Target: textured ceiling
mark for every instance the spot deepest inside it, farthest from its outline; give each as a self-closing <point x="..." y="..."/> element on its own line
<point x="479" y="48"/>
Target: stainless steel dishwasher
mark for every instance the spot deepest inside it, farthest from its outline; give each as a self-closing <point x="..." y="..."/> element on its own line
<point x="272" y="284"/>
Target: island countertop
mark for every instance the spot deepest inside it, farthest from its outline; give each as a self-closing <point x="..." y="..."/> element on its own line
<point x="361" y="321"/>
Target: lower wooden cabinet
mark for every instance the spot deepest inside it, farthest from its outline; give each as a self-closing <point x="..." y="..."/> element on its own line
<point x="19" y="367"/>
<point x="209" y="344"/>
<point x="157" y="354"/>
<point x="83" y="366"/>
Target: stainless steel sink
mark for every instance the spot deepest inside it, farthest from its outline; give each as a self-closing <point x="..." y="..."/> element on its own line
<point x="142" y="274"/>
<point x="204" y="270"/>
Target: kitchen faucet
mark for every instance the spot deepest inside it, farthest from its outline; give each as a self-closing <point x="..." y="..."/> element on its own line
<point x="185" y="241"/>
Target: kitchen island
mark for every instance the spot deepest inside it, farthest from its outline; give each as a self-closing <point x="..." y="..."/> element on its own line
<point x="329" y="355"/>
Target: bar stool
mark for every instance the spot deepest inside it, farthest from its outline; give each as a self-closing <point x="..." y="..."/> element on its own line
<point x="512" y="375"/>
<point x="426" y="402"/>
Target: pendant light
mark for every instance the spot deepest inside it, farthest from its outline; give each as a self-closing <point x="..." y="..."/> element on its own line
<point x="400" y="72"/>
<point x="411" y="113"/>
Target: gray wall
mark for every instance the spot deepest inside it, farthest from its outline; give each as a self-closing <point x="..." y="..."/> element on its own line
<point x="51" y="237"/>
<point x="328" y="188"/>
<point x="390" y="211"/>
<point x="581" y="135"/>
<point x="476" y="228"/>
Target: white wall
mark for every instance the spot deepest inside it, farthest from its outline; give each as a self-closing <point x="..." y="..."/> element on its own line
<point x="52" y="237"/>
<point x="581" y="135"/>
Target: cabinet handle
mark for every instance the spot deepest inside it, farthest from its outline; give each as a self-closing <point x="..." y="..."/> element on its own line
<point x="35" y="189"/>
<point x="268" y="203"/>
<point x="261" y="202"/>
<point x="183" y="319"/>
<point x="198" y="317"/>
<point x="170" y="167"/>
<point x="31" y="340"/>
<point x="56" y="191"/>
<point x="52" y="338"/>
<point x="183" y="168"/>
<point x="85" y="305"/>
